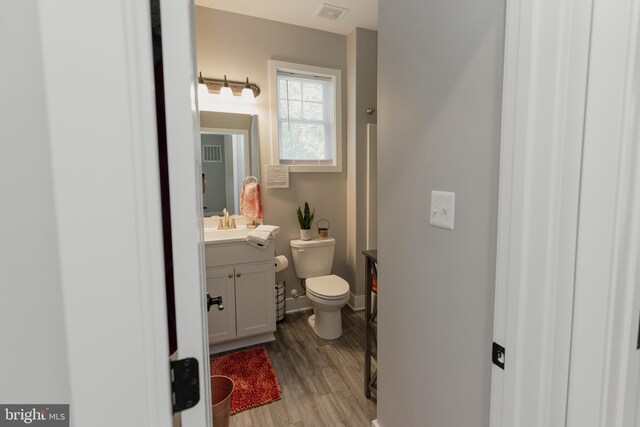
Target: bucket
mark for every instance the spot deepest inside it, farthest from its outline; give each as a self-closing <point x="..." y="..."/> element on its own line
<point x="323" y="230"/>
<point x="221" y="391"/>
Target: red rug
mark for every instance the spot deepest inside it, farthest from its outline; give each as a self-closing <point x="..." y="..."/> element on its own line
<point x="256" y="382"/>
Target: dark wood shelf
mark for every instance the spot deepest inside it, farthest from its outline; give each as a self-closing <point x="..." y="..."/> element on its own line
<point x="371" y="324"/>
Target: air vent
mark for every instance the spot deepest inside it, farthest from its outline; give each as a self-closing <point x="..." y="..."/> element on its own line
<point x="329" y="11"/>
<point x="211" y="153"/>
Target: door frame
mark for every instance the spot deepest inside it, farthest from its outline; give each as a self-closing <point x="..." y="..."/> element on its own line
<point x="545" y="73"/>
<point x="185" y="183"/>
<point x="103" y="140"/>
<point x="548" y="90"/>
<point x="604" y="367"/>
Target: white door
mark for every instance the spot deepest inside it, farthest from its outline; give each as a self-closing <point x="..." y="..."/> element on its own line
<point x="99" y="93"/>
<point x="566" y="307"/>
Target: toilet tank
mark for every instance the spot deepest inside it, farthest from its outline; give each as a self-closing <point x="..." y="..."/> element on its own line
<point x="312" y="258"/>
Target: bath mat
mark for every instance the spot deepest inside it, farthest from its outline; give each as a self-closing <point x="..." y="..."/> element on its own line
<point x="256" y="382"/>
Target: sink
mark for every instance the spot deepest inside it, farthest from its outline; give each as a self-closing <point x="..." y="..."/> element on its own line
<point x="213" y="235"/>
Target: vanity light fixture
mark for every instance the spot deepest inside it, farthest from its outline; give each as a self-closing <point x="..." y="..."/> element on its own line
<point x="245" y="90"/>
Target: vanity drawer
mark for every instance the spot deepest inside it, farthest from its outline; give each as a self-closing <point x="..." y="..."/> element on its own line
<point x="221" y="254"/>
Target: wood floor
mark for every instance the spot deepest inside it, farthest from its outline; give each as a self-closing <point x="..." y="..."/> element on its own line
<point x="321" y="381"/>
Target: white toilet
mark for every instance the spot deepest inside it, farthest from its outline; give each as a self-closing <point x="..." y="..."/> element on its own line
<point x="327" y="292"/>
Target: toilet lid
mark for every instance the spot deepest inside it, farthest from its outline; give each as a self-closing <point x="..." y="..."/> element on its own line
<point x="329" y="287"/>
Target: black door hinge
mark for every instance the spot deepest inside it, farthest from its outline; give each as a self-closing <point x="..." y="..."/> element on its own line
<point x="185" y="384"/>
<point x="498" y="356"/>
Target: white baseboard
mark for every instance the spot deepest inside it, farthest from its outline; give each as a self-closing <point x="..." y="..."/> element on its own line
<point x="298" y="304"/>
<point x="374" y="423"/>
<point x="356" y="302"/>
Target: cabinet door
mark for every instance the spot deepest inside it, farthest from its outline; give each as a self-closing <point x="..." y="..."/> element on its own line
<point x="255" y="299"/>
<point x="222" y="323"/>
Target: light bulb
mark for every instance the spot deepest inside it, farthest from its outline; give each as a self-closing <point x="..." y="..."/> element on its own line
<point x="203" y="92"/>
<point x="247" y="93"/>
<point x="225" y="90"/>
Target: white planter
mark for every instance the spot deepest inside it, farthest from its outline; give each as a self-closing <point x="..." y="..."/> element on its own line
<point x="305" y="234"/>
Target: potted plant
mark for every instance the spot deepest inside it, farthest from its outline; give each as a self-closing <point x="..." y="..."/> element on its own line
<point x="305" y="219"/>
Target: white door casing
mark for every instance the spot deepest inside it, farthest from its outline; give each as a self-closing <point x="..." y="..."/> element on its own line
<point x="185" y="168"/>
<point x="603" y="386"/>
<point x="545" y="75"/>
<point x="567" y="300"/>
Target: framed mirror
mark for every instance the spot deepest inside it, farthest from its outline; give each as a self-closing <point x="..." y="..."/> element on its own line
<point x="230" y="153"/>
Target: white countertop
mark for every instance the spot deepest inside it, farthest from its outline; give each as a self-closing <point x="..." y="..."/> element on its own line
<point x="214" y="236"/>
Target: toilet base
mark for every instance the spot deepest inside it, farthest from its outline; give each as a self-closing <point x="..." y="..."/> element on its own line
<point x="326" y="324"/>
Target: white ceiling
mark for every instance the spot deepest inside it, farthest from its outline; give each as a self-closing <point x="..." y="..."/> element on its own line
<point x="362" y="13"/>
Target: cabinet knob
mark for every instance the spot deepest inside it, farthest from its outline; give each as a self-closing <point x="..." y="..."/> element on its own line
<point x="230" y="275"/>
<point x="238" y="274"/>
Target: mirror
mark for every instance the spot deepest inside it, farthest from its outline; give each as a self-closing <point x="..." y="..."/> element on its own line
<point x="230" y="152"/>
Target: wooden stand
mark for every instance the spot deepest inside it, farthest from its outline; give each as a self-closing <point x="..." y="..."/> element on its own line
<point x="371" y="324"/>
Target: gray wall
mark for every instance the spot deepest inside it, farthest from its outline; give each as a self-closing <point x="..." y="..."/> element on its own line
<point x="33" y="350"/>
<point x="215" y="196"/>
<point x="240" y="46"/>
<point x="362" y="71"/>
<point x="439" y="91"/>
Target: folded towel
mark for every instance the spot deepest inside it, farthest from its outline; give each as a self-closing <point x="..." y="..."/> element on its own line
<point x="259" y="236"/>
<point x="258" y="244"/>
<point x="273" y="229"/>
<point x="251" y="200"/>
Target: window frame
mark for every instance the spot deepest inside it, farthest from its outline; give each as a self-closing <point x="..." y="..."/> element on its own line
<point x="335" y="76"/>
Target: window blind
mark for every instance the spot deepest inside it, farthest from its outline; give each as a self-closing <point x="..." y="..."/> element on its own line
<point x="306" y="119"/>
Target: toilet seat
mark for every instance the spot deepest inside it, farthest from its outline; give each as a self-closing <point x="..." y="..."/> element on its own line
<point x="329" y="287"/>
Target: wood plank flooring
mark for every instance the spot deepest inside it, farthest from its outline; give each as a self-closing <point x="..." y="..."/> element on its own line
<point x="322" y="381"/>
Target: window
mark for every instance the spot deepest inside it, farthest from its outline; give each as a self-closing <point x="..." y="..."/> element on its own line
<point x="306" y="117"/>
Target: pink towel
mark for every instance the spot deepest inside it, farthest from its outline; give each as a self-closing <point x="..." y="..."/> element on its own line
<point x="251" y="201"/>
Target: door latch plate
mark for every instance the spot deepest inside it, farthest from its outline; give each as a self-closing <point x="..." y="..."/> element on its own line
<point x="498" y="355"/>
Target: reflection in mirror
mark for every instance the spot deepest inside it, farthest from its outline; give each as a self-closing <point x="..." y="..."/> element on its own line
<point x="229" y="154"/>
<point x="224" y="164"/>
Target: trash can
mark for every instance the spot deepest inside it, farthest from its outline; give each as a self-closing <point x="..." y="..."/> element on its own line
<point x="281" y="301"/>
<point x="221" y="391"/>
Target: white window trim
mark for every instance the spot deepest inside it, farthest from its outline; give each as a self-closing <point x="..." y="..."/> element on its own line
<point x="335" y="76"/>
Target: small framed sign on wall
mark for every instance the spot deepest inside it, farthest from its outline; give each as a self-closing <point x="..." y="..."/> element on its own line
<point x="277" y="176"/>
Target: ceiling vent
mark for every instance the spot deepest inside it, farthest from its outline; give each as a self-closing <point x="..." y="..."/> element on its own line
<point x="329" y="11"/>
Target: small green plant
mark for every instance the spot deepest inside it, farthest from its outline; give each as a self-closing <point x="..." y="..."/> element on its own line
<point x="305" y="219"/>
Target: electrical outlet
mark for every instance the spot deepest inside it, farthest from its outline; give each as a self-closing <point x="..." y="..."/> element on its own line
<point x="443" y="207"/>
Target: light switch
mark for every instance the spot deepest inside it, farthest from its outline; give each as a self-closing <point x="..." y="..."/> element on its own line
<point x="443" y="208"/>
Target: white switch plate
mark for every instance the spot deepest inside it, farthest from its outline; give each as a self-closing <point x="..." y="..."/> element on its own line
<point x="443" y="209"/>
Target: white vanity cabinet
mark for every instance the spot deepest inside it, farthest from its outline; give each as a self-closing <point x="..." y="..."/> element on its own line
<point x="244" y="277"/>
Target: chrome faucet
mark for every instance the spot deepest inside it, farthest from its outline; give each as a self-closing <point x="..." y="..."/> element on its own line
<point x="226" y="223"/>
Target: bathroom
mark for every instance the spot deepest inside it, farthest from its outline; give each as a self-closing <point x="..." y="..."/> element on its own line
<point x="239" y="46"/>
